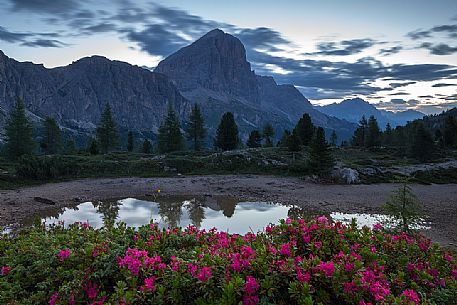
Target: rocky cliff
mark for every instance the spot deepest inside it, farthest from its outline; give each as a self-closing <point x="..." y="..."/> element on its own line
<point x="76" y="94"/>
<point x="213" y="71"/>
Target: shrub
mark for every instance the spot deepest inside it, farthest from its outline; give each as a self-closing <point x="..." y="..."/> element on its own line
<point x="295" y="262"/>
<point x="46" y="167"/>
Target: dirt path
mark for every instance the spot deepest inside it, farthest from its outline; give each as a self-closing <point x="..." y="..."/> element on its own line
<point x="440" y="201"/>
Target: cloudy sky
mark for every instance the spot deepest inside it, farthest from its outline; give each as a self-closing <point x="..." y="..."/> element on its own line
<point x="395" y="54"/>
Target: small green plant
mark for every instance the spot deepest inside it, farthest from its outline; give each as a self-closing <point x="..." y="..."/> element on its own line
<point x="404" y="208"/>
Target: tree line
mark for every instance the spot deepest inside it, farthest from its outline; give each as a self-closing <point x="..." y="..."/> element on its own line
<point x="415" y="139"/>
<point x="19" y="136"/>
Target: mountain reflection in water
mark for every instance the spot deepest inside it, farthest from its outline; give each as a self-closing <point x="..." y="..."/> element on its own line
<point x="224" y="213"/>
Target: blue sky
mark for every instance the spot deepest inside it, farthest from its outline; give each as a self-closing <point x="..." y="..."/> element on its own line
<point x="395" y="54"/>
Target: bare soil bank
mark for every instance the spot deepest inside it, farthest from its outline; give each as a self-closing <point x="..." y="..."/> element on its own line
<point x="440" y="201"/>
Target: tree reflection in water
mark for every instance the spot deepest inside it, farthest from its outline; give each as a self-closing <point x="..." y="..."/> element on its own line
<point x="195" y="211"/>
<point x="109" y="211"/>
<point x="170" y="212"/>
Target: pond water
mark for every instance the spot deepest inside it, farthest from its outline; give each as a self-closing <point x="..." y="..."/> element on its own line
<point x="224" y="213"/>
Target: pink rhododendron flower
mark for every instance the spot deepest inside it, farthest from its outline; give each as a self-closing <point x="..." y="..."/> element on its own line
<point x="64" y="254"/>
<point x="72" y="300"/>
<point x="149" y="283"/>
<point x="5" y="270"/>
<point x="192" y="268"/>
<point x="348" y="267"/>
<point x="377" y="227"/>
<point x="327" y="268"/>
<point x="411" y="296"/>
<point x="322" y="219"/>
<point x="205" y="274"/>
<point x="53" y="299"/>
<point x="303" y="277"/>
<point x="349" y="287"/>
<point x="250" y="291"/>
<point x="91" y="291"/>
<point x="247" y="252"/>
<point x="285" y="250"/>
<point x="306" y="238"/>
<point x="454" y="273"/>
<point x="272" y="250"/>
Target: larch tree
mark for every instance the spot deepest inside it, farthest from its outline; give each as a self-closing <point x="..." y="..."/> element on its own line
<point x="170" y="136"/>
<point x="107" y="134"/>
<point x="19" y="133"/>
<point x="146" y="147"/>
<point x="254" y="140"/>
<point x="333" y="138"/>
<point x="373" y="134"/>
<point x="130" y="142"/>
<point x="196" y="131"/>
<point x="268" y="134"/>
<point x="305" y="129"/>
<point x="321" y="160"/>
<point x="51" y="142"/>
<point x="227" y="133"/>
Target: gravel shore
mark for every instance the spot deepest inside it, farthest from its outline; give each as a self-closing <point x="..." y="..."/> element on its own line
<point x="439" y="201"/>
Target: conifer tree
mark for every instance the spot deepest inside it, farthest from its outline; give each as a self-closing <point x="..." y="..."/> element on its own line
<point x="422" y="146"/>
<point x="373" y="133"/>
<point x="147" y="147"/>
<point x="333" y="138"/>
<point x="404" y="207"/>
<point x="268" y="134"/>
<point x="19" y="133"/>
<point x="305" y="129"/>
<point x="196" y="131"/>
<point x="359" y="137"/>
<point x="450" y="131"/>
<point x="130" y="141"/>
<point x="70" y="147"/>
<point x="283" y="142"/>
<point x="293" y="141"/>
<point x="51" y="143"/>
<point x="387" y="135"/>
<point x="321" y="160"/>
<point x="254" y="140"/>
<point x="227" y="133"/>
<point x="170" y="137"/>
<point x="93" y="147"/>
<point x="107" y="135"/>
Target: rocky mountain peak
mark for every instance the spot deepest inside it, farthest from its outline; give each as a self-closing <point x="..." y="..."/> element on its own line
<point x="216" y="62"/>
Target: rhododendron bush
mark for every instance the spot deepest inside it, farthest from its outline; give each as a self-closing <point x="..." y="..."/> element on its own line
<point x="294" y="262"/>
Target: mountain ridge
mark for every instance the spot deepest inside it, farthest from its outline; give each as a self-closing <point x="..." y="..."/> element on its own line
<point x="353" y="109"/>
<point x="201" y="81"/>
<point x="212" y="71"/>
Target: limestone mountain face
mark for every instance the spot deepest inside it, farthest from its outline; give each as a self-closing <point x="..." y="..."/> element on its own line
<point x="214" y="72"/>
<point x="216" y="62"/>
<point x="76" y="94"/>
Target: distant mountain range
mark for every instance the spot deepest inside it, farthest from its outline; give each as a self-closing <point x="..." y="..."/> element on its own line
<point x="352" y="110"/>
<point x="212" y="71"/>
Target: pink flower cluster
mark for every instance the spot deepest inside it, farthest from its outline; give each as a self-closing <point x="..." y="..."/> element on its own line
<point x="64" y="254"/>
<point x="5" y="270"/>
<point x="250" y="291"/>
<point x="205" y="274"/>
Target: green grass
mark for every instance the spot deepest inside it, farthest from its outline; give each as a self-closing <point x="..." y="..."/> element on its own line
<point x="262" y="161"/>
